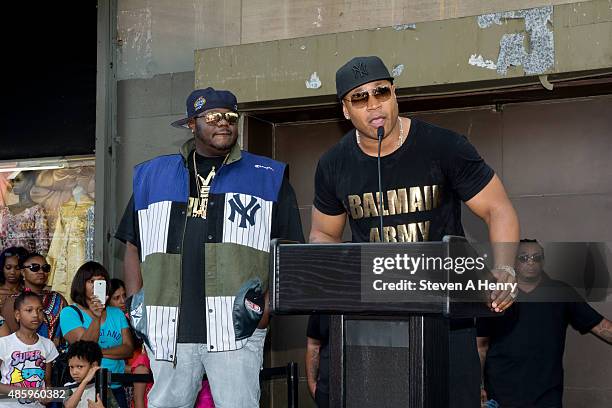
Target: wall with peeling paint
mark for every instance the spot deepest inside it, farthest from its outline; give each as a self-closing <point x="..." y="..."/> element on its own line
<point x="457" y="53"/>
<point x="160" y="36"/>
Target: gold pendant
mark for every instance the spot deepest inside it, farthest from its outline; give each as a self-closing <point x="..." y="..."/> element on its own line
<point x="204" y="184"/>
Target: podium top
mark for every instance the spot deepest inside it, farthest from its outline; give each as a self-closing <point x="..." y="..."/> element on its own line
<point x="355" y="278"/>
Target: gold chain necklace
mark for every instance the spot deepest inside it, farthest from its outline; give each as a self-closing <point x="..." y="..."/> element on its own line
<point x="401" y="135"/>
<point x="203" y="186"/>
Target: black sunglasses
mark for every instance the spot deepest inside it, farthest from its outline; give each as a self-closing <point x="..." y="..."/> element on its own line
<point x="535" y="258"/>
<point x="382" y="93"/>
<point x="46" y="268"/>
<point x="213" y="118"/>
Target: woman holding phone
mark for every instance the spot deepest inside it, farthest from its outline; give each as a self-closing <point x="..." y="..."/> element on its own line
<point x="89" y="319"/>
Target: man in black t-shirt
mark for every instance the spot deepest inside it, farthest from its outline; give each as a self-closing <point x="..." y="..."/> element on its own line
<point x="522" y="351"/>
<point x="197" y="231"/>
<point x="317" y="351"/>
<point x="426" y="172"/>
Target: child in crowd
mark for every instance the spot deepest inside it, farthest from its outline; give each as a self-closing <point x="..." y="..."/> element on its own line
<point x="139" y="362"/>
<point x="84" y="359"/>
<point x="25" y="357"/>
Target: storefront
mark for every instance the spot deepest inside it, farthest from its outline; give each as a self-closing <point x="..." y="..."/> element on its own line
<point x="47" y="207"/>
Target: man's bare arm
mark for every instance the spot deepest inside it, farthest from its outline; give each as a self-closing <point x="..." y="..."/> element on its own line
<point x="326" y="228"/>
<point x="483" y="348"/>
<point x="493" y="206"/>
<point x="131" y="269"/>
<point x="603" y="330"/>
<point x="313" y="358"/>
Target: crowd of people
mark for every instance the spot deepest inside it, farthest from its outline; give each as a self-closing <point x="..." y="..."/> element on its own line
<point x="43" y="336"/>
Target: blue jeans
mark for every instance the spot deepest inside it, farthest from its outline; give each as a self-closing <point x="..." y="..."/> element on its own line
<point x="233" y="375"/>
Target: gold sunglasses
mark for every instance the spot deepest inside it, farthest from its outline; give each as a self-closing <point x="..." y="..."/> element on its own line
<point x="358" y="100"/>
<point x="213" y="118"/>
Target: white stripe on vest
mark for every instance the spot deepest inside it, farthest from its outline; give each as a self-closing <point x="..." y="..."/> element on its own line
<point x="220" y="335"/>
<point x="153" y="222"/>
<point x="161" y="331"/>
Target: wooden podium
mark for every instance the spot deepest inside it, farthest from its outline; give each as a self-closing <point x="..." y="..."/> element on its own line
<point x="386" y="349"/>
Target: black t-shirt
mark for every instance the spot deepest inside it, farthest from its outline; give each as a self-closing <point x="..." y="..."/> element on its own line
<point x="286" y="224"/>
<point x="524" y="365"/>
<point x="423" y="184"/>
<point x="192" y="322"/>
<point x="318" y="328"/>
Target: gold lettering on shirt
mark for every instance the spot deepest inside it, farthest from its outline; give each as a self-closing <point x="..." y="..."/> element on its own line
<point x="374" y="235"/>
<point x="424" y="228"/>
<point x="407" y="232"/>
<point x="355" y="206"/>
<point x="416" y="200"/>
<point x="427" y="197"/>
<point x="398" y="201"/>
<point x="413" y="232"/>
<point x="380" y="205"/>
<point x="389" y="234"/>
<point x="369" y="206"/>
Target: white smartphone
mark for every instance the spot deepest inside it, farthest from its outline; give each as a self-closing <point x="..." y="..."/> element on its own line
<point x="99" y="290"/>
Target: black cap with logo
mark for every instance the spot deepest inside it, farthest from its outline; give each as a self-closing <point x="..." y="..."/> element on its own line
<point x="359" y="71"/>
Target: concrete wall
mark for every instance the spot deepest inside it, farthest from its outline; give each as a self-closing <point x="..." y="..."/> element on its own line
<point x="146" y="107"/>
<point x="449" y="55"/>
<point x="160" y="36"/>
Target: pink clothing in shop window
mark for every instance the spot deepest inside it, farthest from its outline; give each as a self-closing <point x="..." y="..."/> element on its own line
<point x="26" y="229"/>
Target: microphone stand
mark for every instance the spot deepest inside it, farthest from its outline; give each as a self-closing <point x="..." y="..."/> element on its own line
<point x="380" y="132"/>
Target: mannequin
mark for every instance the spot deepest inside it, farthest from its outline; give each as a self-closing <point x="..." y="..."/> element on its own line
<point x="24" y="224"/>
<point x="72" y="243"/>
<point x="21" y="186"/>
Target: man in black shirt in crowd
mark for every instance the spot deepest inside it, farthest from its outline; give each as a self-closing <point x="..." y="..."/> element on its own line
<point x="522" y="351"/>
<point x="426" y="172"/>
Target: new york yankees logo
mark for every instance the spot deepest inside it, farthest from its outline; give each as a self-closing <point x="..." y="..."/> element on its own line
<point x="360" y="70"/>
<point x="246" y="213"/>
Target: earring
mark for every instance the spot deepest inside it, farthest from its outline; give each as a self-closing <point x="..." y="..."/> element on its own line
<point x="347" y="117"/>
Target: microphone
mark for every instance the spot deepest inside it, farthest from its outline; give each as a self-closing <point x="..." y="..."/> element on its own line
<point x="380" y="132"/>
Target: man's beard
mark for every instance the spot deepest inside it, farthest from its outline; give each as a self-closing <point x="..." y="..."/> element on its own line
<point x="215" y="142"/>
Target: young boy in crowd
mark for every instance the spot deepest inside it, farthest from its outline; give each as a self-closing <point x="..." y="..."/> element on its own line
<point x="25" y="357"/>
<point x="84" y="359"/>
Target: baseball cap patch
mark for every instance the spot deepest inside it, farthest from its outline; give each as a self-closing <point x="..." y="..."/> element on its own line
<point x="199" y="103"/>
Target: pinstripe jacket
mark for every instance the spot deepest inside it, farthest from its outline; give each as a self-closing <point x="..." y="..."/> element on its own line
<point x="245" y="189"/>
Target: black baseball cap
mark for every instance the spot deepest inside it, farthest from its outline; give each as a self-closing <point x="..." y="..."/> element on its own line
<point x="205" y="99"/>
<point x="359" y="71"/>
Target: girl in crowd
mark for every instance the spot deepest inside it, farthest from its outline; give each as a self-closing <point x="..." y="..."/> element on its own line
<point x="25" y="356"/>
<point x="139" y="362"/>
<point x="35" y="271"/>
<point x="11" y="282"/>
<point x="91" y="320"/>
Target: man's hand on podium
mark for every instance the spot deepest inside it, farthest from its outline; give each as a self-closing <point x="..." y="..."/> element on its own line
<point x="503" y="299"/>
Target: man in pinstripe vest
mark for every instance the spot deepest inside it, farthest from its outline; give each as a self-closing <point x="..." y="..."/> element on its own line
<point x="197" y="231"/>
